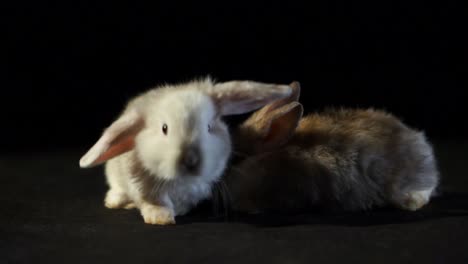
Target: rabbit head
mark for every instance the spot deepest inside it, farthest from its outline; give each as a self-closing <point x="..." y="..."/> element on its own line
<point x="177" y="131"/>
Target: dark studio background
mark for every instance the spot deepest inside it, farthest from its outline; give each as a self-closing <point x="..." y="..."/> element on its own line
<point x="69" y="67"/>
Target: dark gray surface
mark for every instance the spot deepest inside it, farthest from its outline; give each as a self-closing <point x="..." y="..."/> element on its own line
<point x="53" y="212"/>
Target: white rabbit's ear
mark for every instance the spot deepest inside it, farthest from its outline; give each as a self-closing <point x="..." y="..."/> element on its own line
<point x="116" y="139"/>
<point x="238" y="97"/>
<point x="278" y="127"/>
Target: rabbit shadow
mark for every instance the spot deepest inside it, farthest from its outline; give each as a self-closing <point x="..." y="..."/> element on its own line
<point x="444" y="206"/>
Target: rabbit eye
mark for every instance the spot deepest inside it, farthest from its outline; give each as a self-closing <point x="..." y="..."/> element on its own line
<point x="164" y="129"/>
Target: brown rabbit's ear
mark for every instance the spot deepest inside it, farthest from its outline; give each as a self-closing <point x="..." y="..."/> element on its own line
<point x="280" y="125"/>
<point x="116" y="139"/>
<point x="265" y="111"/>
<point x="293" y="97"/>
<point x="238" y="97"/>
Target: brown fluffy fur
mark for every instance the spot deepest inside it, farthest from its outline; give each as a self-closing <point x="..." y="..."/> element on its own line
<point x="351" y="159"/>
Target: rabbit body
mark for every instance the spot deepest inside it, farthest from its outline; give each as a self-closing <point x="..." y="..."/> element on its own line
<point x="149" y="176"/>
<point x="169" y="146"/>
<point x="131" y="185"/>
<point x="348" y="159"/>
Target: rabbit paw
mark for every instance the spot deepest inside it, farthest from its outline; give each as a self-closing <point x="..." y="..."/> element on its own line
<point x="157" y="215"/>
<point x="416" y="199"/>
<point x="115" y="199"/>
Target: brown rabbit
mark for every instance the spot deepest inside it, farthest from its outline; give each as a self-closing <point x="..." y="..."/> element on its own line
<point x="339" y="159"/>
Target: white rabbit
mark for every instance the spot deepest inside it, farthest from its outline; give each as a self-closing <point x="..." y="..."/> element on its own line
<point x="169" y="146"/>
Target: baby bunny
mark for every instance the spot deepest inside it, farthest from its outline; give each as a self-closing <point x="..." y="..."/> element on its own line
<point x="169" y="146"/>
<point x="339" y="159"/>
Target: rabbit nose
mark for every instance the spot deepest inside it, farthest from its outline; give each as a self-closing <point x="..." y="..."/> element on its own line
<point x="190" y="160"/>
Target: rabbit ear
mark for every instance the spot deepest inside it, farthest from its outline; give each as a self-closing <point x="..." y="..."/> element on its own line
<point x="278" y="127"/>
<point x="263" y="113"/>
<point x="116" y="139"/>
<point x="238" y="97"/>
<point x="293" y="97"/>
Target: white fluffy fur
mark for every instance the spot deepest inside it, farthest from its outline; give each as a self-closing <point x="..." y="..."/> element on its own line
<point x="148" y="175"/>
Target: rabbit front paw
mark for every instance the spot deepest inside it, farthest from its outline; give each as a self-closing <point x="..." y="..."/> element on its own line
<point x="157" y="215"/>
<point x="115" y="199"/>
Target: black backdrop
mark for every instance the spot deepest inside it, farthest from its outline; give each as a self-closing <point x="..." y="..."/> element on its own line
<point x="67" y="68"/>
<point x="70" y="66"/>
